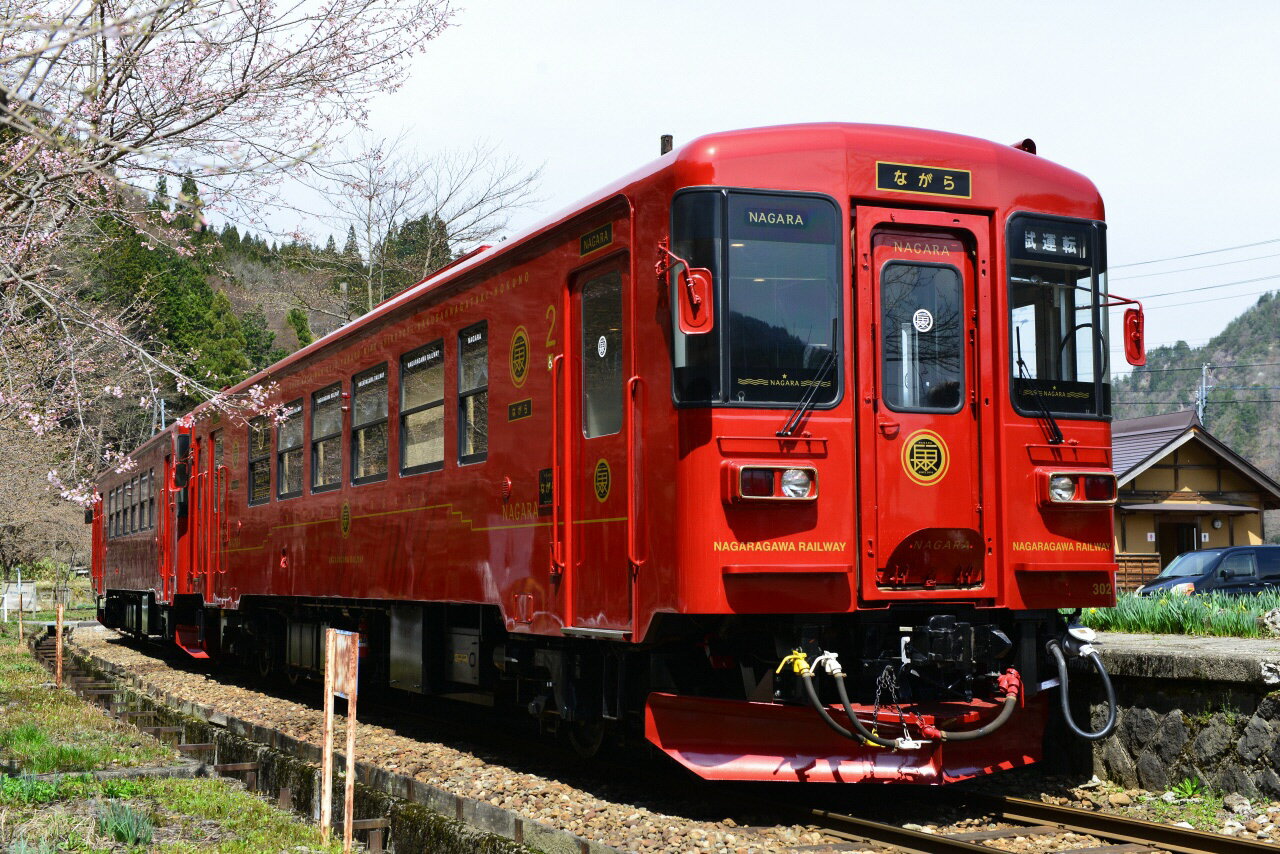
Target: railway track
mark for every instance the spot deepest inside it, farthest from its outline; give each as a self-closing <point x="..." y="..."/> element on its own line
<point x="1055" y="828"/>
<point x="1042" y="827"/>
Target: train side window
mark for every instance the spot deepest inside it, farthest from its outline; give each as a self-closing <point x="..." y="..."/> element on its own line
<point x="151" y="498"/>
<point x="289" y="452"/>
<point x="369" y="426"/>
<point x="326" y="438"/>
<point x="133" y="506"/>
<point x="144" y="506"/>
<point x="422" y="409"/>
<point x="111" y="513"/>
<point x="217" y="449"/>
<point x="260" y="460"/>
<point x="115" y="515"/>
<point x="602" y="355"/>
<point x="473" y="393"/>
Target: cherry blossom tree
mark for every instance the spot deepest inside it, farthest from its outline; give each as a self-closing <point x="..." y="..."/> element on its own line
<point x="97" y="97"/>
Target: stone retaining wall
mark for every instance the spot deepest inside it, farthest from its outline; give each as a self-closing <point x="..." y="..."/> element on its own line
<point x="1184" y="714"/>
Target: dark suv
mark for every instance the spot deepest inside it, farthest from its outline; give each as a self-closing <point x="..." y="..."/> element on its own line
<point x="1238" y="569"/>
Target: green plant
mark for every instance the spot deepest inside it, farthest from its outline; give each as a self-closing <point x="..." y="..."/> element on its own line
<point x="124" y="824"/>
<point x="1214" y="614"/>
<point x="22" y="846"/>
<point x="27" y="790"/>
<point x="1190" y="787"/>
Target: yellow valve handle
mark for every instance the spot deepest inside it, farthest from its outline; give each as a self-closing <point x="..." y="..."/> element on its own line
<point x="798" y="662"/>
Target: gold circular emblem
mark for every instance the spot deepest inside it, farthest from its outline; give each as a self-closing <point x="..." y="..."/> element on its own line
<point x="345" y="520"/>
<point x="602" y="480"/>
<point x="925" y="457"/>
<point x="519" y="356"/>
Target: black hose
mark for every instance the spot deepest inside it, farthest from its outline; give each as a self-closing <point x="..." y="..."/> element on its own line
<point x="857" y="724"/>
<point x="822" y="710"/>
<point x="1006" y="711"/>
<point x="1055" y="649"/>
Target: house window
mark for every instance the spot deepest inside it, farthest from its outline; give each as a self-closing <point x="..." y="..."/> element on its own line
<point x="369" y="426"/>
<point x="289" y="451"/>
<point x="260" y="460"/>
<point x="422" y="409"/>
<point x="473" y="393"/>
<point x="326" y="439"/>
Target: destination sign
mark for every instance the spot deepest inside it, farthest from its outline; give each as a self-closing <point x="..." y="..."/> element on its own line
<point x="923" y="180"/>
<point x="597" y="238"/>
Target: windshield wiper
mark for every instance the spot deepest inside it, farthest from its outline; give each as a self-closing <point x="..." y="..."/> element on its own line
<point x="1055" y="434"/>
<point x="806" y="402"/>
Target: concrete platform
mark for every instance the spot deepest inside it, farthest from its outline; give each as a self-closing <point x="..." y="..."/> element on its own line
<point x="1247" y="661"/>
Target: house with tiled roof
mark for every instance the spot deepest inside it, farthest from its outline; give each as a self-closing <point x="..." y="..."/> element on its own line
<point x="1180" y="489"/>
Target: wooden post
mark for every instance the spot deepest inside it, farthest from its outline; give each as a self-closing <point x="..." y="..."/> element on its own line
<point x="57" y="645"/>
<point x="326" y="756"/>
<point x="349" y="798"/>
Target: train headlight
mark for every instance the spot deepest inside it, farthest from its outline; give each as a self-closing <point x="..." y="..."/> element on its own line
<point x="1062" y="487"/>
<point x="796" y="483"/>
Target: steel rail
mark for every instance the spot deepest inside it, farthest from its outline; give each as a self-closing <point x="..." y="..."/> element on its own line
<point x="1177" y="839"/>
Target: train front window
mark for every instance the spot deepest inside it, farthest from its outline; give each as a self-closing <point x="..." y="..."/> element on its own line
<point x="776" y="262"/>
<point x="1058" y="321"/>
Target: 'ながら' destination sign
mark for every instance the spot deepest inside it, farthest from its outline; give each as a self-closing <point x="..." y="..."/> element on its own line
<point x="925" y="180"/>
<point x="597" y="238"/>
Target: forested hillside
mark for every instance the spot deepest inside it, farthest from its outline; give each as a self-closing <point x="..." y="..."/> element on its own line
<point x="1243" y="402"/>
<point x="226" y="304"/>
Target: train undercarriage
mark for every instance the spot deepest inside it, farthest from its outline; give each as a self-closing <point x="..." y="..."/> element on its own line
<point x="777" y="697"/>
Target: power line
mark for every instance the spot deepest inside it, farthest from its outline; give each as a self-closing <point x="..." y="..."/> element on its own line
<point x="1215" y="367"/>
<point x="1196" y="254"/>
<point x="1213" y="287"/>
<point x="1189" y="269"/>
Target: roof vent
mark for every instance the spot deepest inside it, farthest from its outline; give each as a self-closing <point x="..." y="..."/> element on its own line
<point x="1028" y="145"/>
<point x="665" y="144"/>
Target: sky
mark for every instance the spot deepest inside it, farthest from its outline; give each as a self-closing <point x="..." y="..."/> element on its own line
<point x="1169" y="107"/>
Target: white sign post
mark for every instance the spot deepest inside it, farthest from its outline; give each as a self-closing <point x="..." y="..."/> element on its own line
<point x="341" y="677"/>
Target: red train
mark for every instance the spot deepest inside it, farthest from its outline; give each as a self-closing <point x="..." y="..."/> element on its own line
<point x="785" y="449"/>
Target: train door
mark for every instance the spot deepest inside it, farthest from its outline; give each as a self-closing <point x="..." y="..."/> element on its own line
<point x="918" y="286"/>
<point x="596" y="524"/>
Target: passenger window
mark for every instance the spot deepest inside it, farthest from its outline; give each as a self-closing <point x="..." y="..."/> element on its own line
<point x="369" y="426"/>
<point x="422" y="409"/>
<point x="1239" y="565"/>
<point x="326" y="439"/>
<point x="217" y="450"/>
<point x="259" y="460"/>
<point x="602" y="356"/>
<point x="151" y="498"/>
<point x="922" y="353"/>
<point x="1269" y="563"/>
<point x="144" y="502"/>
<point x="111" y="513"/>
<point x="133" y="506"/>
<point x="473" y="393"/>
<point x="289" y="452"/>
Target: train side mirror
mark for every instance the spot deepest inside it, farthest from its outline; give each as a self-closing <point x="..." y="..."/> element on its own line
<point x="696" y="299"/>
<point x="1135" y="347"/>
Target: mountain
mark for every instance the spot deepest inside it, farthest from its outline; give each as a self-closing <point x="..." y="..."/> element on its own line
<point x="1242" y="407"/>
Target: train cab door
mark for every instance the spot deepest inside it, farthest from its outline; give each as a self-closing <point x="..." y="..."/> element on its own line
<point x="918" y="286"/>
<point x="599" y="582"/>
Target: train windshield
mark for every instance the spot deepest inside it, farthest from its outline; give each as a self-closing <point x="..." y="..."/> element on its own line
<point x="1058" y="347"/>
<point x="776" y="261"/>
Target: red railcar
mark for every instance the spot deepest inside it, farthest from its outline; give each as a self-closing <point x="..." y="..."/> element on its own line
<point x="783" y="395"/>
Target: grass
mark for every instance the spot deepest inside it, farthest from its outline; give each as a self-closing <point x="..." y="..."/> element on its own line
<point x="1212" y="614"/>
<point x="171" y="816"/>
<point x="47" y="731"/>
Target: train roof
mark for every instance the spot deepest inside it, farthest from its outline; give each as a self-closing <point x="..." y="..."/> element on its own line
<point x="727" y="159"/>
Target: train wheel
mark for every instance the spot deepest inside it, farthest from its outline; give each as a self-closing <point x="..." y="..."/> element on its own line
<point x="586" y="737"/>
<point x="263" y="661"/>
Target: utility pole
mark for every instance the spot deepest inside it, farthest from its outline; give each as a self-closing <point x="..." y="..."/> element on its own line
<point x="1202" y="393"/>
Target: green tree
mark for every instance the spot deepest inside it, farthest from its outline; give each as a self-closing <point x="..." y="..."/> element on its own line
<point x="297" y="318"/>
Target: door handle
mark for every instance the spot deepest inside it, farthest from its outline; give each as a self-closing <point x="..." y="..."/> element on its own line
<point x="887" y="427"/>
